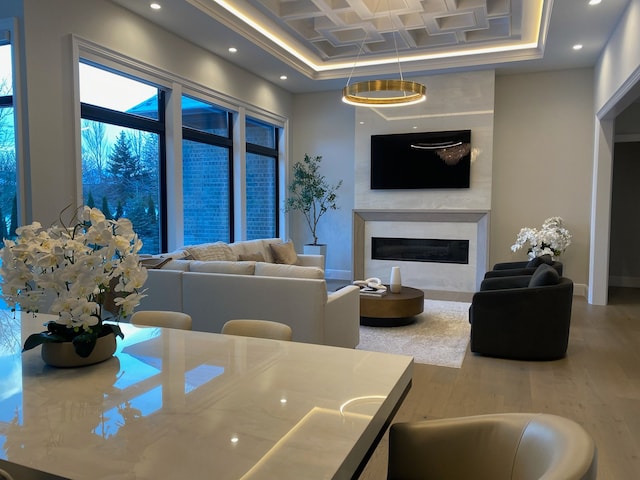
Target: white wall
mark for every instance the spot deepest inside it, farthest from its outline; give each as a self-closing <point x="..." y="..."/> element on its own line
<point x="531" y="142"/>
<point x="461" y="101"/>
<point x="48" y="82"/>
<point x="618" y="67"/>
<point x="540" y="154"/>
<point x="617" y="85"/>
<point x="543" y="150"/>
<point x="324" y="125"/>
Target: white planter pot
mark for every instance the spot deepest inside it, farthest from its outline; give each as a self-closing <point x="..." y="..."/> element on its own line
<point x="320" y="249"/>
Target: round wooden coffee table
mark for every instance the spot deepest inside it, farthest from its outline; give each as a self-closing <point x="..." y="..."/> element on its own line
<point x="392" y="309"/>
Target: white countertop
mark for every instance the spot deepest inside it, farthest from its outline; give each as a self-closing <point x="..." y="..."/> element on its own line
<point x="173" y="404"/>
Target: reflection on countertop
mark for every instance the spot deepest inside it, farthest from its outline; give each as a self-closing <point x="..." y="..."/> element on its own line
<point x="175" y="404"/>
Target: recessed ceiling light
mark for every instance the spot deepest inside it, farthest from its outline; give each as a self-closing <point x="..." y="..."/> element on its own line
<point x="233" y="49"/>
<point x="283" y="77"/>
<point x="594" y="2"/>
<point x="577" y="46"/>
<point x="155" y="6"/>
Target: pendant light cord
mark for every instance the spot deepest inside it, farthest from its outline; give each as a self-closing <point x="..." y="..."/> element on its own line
<point x="357" y="58"/>
<point x="395" y="45"/>
<point x="355" y="63"/>
<point x="373" y="93"/>
<point x="395" y="40"/>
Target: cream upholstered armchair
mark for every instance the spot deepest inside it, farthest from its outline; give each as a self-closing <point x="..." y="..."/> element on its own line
<point x="513" y="446"/>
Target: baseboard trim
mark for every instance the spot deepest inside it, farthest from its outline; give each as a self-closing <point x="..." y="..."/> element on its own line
<point x="580" y="290"/>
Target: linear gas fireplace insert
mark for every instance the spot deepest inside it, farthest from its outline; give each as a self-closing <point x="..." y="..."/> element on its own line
<point x="420" y="250"/>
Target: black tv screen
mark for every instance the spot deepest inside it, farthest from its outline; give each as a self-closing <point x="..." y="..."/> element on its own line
<point x="421" y="160"/>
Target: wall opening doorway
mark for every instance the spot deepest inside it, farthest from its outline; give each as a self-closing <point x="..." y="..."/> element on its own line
<point x="624" y="262"/>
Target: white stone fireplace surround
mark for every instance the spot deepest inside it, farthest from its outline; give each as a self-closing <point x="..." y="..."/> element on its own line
<point x="433" y="277"/>
<point x="461" y="101"/>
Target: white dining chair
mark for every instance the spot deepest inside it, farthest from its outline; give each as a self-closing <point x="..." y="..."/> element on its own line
<point x="161" y="318"/>
<point x="258" y="328"/>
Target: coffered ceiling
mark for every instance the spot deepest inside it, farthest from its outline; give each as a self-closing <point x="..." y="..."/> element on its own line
<point x="329" y="36"/>
<point x="339" y="30"/>
<point x="317" y="44"/>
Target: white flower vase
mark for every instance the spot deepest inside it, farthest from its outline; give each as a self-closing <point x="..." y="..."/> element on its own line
<point x="395" y="282"/>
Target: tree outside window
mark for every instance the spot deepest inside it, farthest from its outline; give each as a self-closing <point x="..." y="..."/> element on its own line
<point x="121" y="151"/>
<point x="8" y="161"/>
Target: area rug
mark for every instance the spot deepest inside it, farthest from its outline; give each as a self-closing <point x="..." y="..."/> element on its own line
<point x="438" y="337"/>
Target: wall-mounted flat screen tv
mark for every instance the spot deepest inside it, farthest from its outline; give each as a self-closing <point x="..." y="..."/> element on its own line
<point x="421" y="160"/>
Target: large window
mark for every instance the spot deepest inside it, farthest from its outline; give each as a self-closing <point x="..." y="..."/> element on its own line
<point x="8" y="162"/>
<point x="124" y="161"/>
<point x="123" y="151"/>
<point x="207" y="180"/>
<point x="262" y="179"/>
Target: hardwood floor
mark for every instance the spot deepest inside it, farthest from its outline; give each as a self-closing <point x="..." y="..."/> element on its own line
<point x="597" y="384"/>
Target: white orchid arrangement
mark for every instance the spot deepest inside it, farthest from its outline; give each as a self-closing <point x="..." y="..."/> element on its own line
<point x="552" y="239"/>
<point x="84" y="265"/>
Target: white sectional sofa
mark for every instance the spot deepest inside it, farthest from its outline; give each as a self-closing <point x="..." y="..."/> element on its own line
<point x="214" y="291"/>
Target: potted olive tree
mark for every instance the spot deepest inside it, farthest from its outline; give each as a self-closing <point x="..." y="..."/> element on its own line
<point x="311" y="194"/>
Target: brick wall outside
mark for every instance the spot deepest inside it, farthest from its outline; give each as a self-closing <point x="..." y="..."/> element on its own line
<point x="206" y="192"/>
<point x="206" y="186"/>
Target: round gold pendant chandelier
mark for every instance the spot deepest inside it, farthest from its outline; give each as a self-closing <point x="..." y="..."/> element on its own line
<point x="384" y="93"/>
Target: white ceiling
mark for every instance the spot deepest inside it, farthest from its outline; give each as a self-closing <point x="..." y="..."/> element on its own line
<point x="319" y="44"/>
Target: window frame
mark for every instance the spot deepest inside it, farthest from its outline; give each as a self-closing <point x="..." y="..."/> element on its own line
<point x="8" y="36"/>
<point x="273" y="153"/>
<point x="199" y="136"/>
<point x="136" y="122"/>
<point x="174" y="87"/>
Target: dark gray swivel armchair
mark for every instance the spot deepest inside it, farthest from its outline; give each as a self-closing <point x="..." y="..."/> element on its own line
<point x="505" y="269"/>
<point x="522" y="317"/>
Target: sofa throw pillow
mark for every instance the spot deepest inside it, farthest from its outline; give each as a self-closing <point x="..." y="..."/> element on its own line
<point x="212" y="251"/>
<point x="542" y="259"/>
<point x="284" y="253"/>
<point x="543" y="276"/>
<point x="251" y="257"/>
<point x="248" y="247"/>
<point x="223" y="266"/>
<point x="266" y="269"/>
